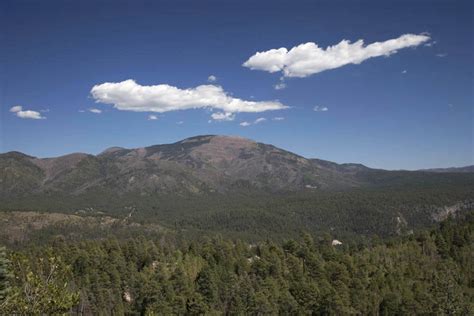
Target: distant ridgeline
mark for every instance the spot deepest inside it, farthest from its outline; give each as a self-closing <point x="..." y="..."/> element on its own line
<point x="427" y="273"/>
<point x="229" y="185"/>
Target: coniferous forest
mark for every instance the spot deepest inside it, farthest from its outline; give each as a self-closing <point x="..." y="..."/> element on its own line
<point x="426" y="273"/>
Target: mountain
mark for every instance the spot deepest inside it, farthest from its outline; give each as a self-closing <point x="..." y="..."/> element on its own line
<point x="195" y="165"/>
<point x="465" y="169"/>
<point x="232" y="185"/>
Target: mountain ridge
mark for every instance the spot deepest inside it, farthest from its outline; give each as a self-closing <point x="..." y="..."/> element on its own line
<point x="197" y="138"/>
<point x="195" y="165"/>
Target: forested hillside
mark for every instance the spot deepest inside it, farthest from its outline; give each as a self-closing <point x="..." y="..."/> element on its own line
<point x="249" y="216"/>
<point x="429" y="272"/>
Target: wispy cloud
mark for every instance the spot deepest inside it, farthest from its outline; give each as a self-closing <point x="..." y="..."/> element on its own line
<point x="279" y="86"/>
<point x="404" y="71"/>
<point x="130" y="96"/>
<point x="278" y="118"/>
<point x="308" y="58"/>
<point x="152" y="117"/>
<point x="95" y="111"/>
<point x="257" y="121"/>
<point x="318" y="108"/>
<point x="180" y="122"/>
<point x="429" y="44"/>
<point x="441" y="55"/>
<point x="26" y="114"/>
<point x="223" y="116"/>
<point x="211" y="78"/>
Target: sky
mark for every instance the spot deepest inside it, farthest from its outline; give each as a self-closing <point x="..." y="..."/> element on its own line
<point x="388" y="84"/>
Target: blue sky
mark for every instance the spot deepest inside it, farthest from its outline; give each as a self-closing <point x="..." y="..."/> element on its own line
<point x="412" y="109"/>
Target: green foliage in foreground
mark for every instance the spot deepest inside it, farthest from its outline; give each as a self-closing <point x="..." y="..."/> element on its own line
<point x="427" y="273"/>
<point x="40" y="286"/>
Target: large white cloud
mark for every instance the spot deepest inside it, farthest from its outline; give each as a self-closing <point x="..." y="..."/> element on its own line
<point x="26" y="114"/>
<point x="308" y="58"/>
<point x="130" y="96"/>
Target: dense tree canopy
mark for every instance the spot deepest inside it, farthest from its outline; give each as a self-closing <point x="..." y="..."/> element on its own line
<point x="426" y="273"/>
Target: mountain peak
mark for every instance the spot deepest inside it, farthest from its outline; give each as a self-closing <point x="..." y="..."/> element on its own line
<point x="16" y="155"/>
<point x="218" y="148"/>
<point x="221" y="138"/>
<point x="111" y="150"/>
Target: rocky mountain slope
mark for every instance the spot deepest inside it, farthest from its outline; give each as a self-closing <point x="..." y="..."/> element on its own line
<point x="197" y="165"/>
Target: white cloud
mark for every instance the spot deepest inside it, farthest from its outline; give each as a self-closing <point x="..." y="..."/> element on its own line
<point x="429" y="44"/>
<point x="16" y="108"/>
<point x="211" y="78"/>
<point x="318" y="108"/>
<point x="279" y="86"/>
<point x="96" y="111"/>
<point x="152" y="117"/>
<point x="130" y="96"/>
<point x="441" y="55"/>
<point x="308" y="58"/>
<point x="180" y="122"/>
<point x="257" y="121"/>
<point x="223" y="116"/>
<point x="278" y="118"/>
<point x="404" y="71"/>
<point x="26" y="114"/>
